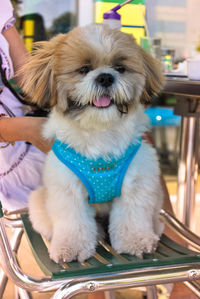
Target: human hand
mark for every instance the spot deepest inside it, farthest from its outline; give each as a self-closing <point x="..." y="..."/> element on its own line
<point x="35" y="136"/>
<point x="24" y="129"/>
<point x="6" y="13"/>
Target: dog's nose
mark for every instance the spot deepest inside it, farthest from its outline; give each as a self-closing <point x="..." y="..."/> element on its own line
<point x="105" y="79"/>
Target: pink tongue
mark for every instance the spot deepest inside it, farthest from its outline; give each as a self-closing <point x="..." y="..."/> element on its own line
<point x="102" y="102"/>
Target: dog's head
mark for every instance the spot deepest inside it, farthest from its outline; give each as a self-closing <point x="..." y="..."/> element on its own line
<point x="92" y="72"/>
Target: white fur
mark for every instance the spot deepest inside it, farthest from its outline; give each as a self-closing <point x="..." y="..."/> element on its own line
<point x="68" y="219"/>
<point x="59" y="209"/>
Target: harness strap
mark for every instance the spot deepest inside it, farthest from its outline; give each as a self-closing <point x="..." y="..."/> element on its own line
<point x="102" y="178"/>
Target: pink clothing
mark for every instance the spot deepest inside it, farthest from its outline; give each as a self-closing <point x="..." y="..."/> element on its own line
<point x="21" y="164"/>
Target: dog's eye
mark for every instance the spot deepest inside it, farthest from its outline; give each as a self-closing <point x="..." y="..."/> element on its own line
<point x="120" y="68"/>
<point x="84" y="69"/>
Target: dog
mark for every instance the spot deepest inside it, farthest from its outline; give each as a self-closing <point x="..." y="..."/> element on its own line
<point x="94" y="80"/>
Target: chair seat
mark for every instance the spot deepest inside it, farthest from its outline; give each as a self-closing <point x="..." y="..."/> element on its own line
<point x="107" y="260"/>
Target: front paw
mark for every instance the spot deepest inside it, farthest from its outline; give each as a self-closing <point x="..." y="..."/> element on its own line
<point x="135" y="243"/>
<point x="68" y="249"/>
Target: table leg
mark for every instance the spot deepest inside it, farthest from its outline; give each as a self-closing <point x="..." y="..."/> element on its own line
<point x="188" y="170"/>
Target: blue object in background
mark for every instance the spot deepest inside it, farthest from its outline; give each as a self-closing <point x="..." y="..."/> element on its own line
<point x="162" y="116"/>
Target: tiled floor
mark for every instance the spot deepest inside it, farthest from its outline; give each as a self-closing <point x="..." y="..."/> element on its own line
<point x="31" y="268"/>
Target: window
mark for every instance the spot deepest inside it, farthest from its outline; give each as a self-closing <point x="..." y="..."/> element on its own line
<point x="42" y="19"/>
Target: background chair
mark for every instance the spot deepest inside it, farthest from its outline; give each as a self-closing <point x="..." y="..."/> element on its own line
<point x="166" y="133"/>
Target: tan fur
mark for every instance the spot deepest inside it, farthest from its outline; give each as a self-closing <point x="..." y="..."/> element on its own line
<point x="154" y="77"/>
<point x="55" y="63"/>
<point x="53" y="77"/>
<point x="39" y="79"/>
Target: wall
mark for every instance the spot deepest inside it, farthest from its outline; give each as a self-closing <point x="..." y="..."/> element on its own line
<point x="193" y="25"/>
<point x="167" y="19"/>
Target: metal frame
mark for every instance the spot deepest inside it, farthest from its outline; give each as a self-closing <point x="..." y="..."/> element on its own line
<point x="180" y="229"/>
<point x="187" y="93"/>
<point x="194" y="287"/>
<point x="188" y="170"/>
<point x="68" y="288"/>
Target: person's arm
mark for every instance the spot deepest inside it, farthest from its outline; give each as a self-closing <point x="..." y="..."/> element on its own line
<point x="18" y="51"/>
<point x="24" y="129"/>
<point x="18" y="128"/>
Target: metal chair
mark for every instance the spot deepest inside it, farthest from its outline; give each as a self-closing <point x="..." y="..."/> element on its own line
<point x="106" y="270"/>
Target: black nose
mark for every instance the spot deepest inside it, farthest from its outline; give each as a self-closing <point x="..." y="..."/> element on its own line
<point x="105" y="79"/>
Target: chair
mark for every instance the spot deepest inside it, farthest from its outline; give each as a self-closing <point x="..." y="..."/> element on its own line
<point x="165" y="130"/>
<point x="106" y="270"/>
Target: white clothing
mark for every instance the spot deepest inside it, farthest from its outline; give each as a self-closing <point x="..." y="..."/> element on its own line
<point x="6" y="13"/>
<point x="21" y="164"/>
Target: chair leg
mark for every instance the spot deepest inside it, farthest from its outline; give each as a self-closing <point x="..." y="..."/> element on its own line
<point x="16" y="292"/>
<point x="194" y="286"/>
<point x="23" y="294"/>
<point x="152" y="292"/>
<point x="3" y="283"/>
<point x="109" y="294"/>
<point x="15" y="242"/>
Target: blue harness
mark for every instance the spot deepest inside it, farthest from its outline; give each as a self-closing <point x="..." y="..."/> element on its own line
<point x="102" y="178"/>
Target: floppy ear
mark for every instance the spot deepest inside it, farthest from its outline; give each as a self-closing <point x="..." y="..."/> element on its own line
<point x="154" y="77"/>
<point x="38" y="80"/>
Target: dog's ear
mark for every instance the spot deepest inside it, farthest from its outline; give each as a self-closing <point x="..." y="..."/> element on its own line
<point x="154" y="77"/>
<point x="38" y="80"/>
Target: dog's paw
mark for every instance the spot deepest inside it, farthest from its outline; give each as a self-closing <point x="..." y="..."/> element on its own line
<point x="60" y="253"/>
<point x="136" y="243"/>
<point x="67" y="251"/>
<point x="86" y="252"/>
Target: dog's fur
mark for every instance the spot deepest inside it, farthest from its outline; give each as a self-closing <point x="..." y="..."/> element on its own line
<point x="62" y="75"/>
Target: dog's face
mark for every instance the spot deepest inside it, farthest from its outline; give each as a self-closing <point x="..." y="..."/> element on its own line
<point x="92" y="73"/>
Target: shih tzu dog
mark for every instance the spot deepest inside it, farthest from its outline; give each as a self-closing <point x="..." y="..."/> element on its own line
<point x="94" y="80"/>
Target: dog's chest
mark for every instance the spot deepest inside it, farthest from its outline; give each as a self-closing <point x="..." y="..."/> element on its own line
<point x="102" y="178"/>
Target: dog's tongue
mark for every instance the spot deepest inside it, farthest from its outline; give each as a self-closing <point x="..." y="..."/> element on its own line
<point x="102" y="101"/>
